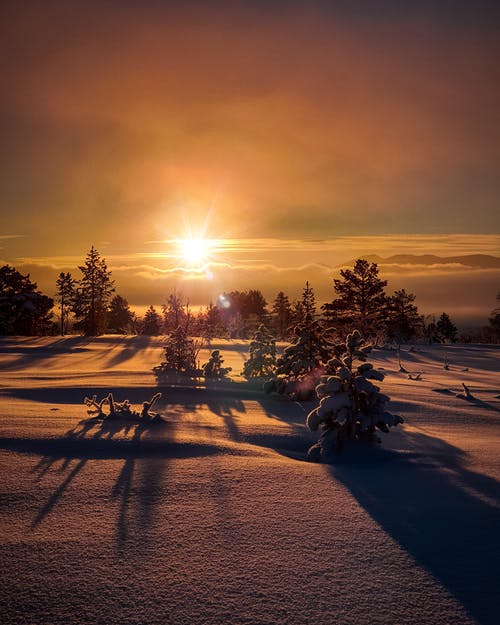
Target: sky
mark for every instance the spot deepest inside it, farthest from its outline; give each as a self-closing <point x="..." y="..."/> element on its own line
<point x="296" y="136"/>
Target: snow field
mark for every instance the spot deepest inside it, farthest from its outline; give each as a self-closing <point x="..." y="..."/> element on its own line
<point x="215" y="517"/>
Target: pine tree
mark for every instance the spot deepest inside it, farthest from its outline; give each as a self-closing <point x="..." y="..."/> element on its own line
<point x="23" y="309"/>
<point x="302" y="362"/>
<point x="403" y="322"/>
<point x="152" y="323"/>
<point x="281" y="315"/>
<point x="350" y="406"/>
<point x="120" y="317"/>
<point x="93" y="294"/>
<point x="262" y="355"/>
<point x="494" y="320"/>
<point x="446" y="329"/>
<point x="173" y="312"/>
<point x="181" y="353"/>
<point x="361" y="299"/>
<point x="66" y="298"/>
<point x="308" y="303"/>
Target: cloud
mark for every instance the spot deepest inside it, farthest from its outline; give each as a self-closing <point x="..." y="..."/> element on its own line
<point x="307" y="120"/>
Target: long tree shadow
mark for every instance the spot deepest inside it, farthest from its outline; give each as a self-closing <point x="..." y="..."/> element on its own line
<point x="442" y="513"/>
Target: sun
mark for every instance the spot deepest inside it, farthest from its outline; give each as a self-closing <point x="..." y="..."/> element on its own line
<point x="194" y="252"/>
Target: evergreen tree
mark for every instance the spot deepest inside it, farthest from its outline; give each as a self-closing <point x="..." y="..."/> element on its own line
<point x="350" y="406"/>
<point x="23" y="310"/>
<point x="446" y="329"/>
<point x="152" y="323"/>
<point x="494" y="320"/>
<point x="66" y="297"/>
<point x="308" y="302"/>
<point x="181" y="353"/>
<point x="403" y="322"/>
<point x="361" y="299"/>
<point x="212" y="323"/>
<point x="93" y="294"/>
<point x="262" y="355"/>
<point x="120" y="317"/>
<point x="281" y="315"/>
<point x="173" y="312"/>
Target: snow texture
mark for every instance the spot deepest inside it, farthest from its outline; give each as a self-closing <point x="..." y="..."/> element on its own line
<point x="213" y="516"/>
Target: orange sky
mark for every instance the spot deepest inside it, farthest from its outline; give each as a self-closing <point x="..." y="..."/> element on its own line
<point x="311" y="120"/>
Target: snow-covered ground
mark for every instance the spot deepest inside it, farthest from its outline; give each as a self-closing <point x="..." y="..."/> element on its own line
<point x="215" y="516"/>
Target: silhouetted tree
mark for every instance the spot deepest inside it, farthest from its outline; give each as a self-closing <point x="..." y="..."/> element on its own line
<point x="66" y="297"/>
<point x="494" y="320"/>
<point x="281" y="315"/>
<point x="151" y="324"/>
<point x="93" y="294"/>
<point x="402" y="320"/>
<point x="120" y="317"/>
<point x="308" y="302"/>
<point x="446" y="329"/>
<point x="23" y="310"/>
<point x="361" y="299"/>
<point x="174" y="314"/>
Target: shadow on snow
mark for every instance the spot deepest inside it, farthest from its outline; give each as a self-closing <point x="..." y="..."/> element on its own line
<point x="442" y="513"/>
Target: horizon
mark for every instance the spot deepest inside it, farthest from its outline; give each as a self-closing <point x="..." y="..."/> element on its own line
<point x="283" y="139"/>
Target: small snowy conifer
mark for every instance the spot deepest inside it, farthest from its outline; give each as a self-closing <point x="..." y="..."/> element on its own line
<point x="262" y="355"/>
<point x="213" y="368"/>
<point x="351" y="406"/>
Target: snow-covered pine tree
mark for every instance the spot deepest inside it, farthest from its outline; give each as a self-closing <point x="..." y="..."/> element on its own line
<point x="302" y="362"/>
<point x="181" y="353"/>
<point x="213" y="369"/>
<point x="351" y="406"/>
<point x="262" y="355"/>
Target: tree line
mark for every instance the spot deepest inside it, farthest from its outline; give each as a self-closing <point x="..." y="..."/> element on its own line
<point x="90" y="305"/>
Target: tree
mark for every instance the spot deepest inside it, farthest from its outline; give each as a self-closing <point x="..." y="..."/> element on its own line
<point x="446" y="329"/>
<point x="66" y="298"/>
<point x="93" y="294"/>
<point x="308" y="303"/>
<point x="23" y="310"/>
<point x="494" y="320"/>
<point x="173" y="312"/>
<point x="242" y="311"/>
<point x="151" y="324"/>
<point x="181" y="353"/>
<point x="281" y="315"/>
<point x="120" y="317"/>
<point x="350" y="406"/>
<point x="361" y="298"/>
<point x="262" y="355"/>
<point x="403" y="322"/>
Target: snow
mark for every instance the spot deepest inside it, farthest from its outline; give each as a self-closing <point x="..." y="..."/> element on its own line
<point x="215" y="516"/>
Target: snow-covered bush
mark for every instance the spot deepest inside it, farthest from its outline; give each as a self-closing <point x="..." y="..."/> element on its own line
<point x="351" y="406"/>
<point x="262" y="355"/>
<point x="180" y="355"/>
<point x="121" y="410"/>
<point x="213" y="369"/>
<point x="301" y="365"/>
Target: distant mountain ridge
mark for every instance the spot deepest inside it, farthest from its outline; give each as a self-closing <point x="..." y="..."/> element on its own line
<point x="482" y="261"/>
